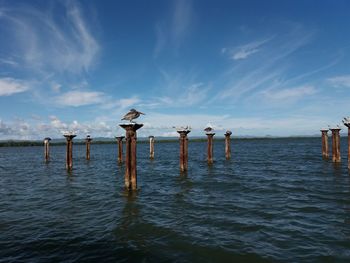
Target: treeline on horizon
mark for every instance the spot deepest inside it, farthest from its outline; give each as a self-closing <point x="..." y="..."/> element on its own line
<point x="27" y="143"/>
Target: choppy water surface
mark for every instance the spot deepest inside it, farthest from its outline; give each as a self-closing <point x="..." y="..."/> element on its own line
<point x="276" y="200"/>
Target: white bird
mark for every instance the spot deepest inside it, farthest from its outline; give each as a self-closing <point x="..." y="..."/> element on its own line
<point x="182" y="128"/>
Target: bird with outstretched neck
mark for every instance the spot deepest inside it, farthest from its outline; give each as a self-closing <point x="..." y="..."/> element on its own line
<point x="132" y="114"/>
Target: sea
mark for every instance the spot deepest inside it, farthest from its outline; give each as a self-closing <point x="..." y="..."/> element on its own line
<point x="275" y="200"/>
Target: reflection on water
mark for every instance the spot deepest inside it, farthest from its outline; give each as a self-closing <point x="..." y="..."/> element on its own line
<point x="268" y="203"/>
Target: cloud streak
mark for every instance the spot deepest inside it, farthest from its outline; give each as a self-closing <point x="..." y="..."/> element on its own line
<point x="244" y="51"/>
<point x="340" y="81"/>
<point x="43" y="41"/>
<point x="172" y="32"/>
<point x="289" y="94"/>
<point x="10" y="86"/>
<point x="80" y="98"/>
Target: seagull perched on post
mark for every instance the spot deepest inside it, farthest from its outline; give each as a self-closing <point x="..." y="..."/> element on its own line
<point x="209" y="128"/>
<point x="132" y="114"/>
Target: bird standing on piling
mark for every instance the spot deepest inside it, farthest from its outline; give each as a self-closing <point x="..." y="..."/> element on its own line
<point x="132" y="114"/>
<point x="209" y="128"/>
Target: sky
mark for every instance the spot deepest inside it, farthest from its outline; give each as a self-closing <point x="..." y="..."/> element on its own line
<point x="279" y="68"/>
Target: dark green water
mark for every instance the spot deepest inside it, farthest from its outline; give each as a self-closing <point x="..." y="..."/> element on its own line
<point x="276" y="200"/>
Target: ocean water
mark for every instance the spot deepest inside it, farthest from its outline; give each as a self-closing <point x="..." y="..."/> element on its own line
<point x="276" y="200"/>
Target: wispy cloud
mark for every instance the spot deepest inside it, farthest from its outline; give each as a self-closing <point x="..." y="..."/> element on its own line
<point x="289" y="94"/>
<point x="43" y="43"/>
<point x="173" y="30"/>
<point x="80" y="98"/>
<point x="244" y="51"/>
<point x="340" y="81"/>
<point x="267" y="72"/>
<point x="10" y="86"/>
<point x="189" y="96"/>
<point x="120" y="104"/>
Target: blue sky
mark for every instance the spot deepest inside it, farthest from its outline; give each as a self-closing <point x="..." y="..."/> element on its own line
<point x="256" y="67"/>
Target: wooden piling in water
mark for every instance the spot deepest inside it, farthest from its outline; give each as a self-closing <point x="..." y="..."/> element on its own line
<point x="228" y="145"/>
<point x="210" y="136"/>
<point x="69" y="153"/>
<point x="120" y="148"/>
<point x="347" y="124"/>
<point x="325" y="152"/>
<point x="130" y="179"/>
<point x="88" y="140"/>
<point x="151" y="147"/>
<point x="183" y="149"/>
<point x="47" y="148"/>
<point x="336" y="145"/>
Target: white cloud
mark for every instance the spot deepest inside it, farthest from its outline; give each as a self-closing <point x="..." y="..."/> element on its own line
<point x="45" y="43"/>
<point x="340" y="81"/>
<point x="80" y="98"/>
<point x="173" y="31"/>
<point x="287" y="94"/>
<point x="10" y="86"/>
<point x="182" y="17"/>
<point x="267" y="72"/>
<point x="188" y="96"/>
<point x="246" y="50"/>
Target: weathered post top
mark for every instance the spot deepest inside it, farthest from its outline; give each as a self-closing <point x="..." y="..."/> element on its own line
<point x="228" y="133"/>
<point x="131" y="126"/>
<point x="69" y="135"/>
<point x="88" y="138"/>
<point x="324" y="130"/>
<point x="47" y="139"/>
<point x="119" y="138"/>
<point x="151" y="137"/>
<point x="334" y="129"/>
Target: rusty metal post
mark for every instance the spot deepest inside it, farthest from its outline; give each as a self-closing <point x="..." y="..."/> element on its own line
<point x="348" y="147"/>
<point x="151" y="147"/>
<point x="336" y="145"/>
<point x="47" y="148"/>
<point x="210" y="136"/>
<point x="88" y="140"/>
<point x="347" y="124"/>
<point x="183" y="149"/>
<point x="130" y="155"/>
<point x="228" y="145"/>
<point x="325" y="154"/>
<point x="69" y="154"/>
<point x="120" y="148"/>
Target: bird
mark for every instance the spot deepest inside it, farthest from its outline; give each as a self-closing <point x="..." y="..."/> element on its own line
<point x="132" y="114"/>
<point x="346" y="121"/>
<point x="209" y="128"/>
<point x="182" y="128"/>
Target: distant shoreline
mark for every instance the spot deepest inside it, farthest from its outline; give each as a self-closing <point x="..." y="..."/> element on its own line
<point x="59" y="142"/>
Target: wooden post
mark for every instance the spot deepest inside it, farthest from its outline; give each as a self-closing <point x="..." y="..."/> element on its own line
<point x="347" y="124"/>
<point x="69" y="154"/>
<point x="210" y="136"/>
<point x="183" y="149"/>
<point x="151" y="147"/>
<point x="47" y="148"/>
<point x="228" y="145"/>
<point x="130" y="155"/>
<point x="335" y="145"/>
<point x="325" y="154"/>
<point x="348" y="147"/>
<point x="120" y="148"/>
<point x="88" y="140"/>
